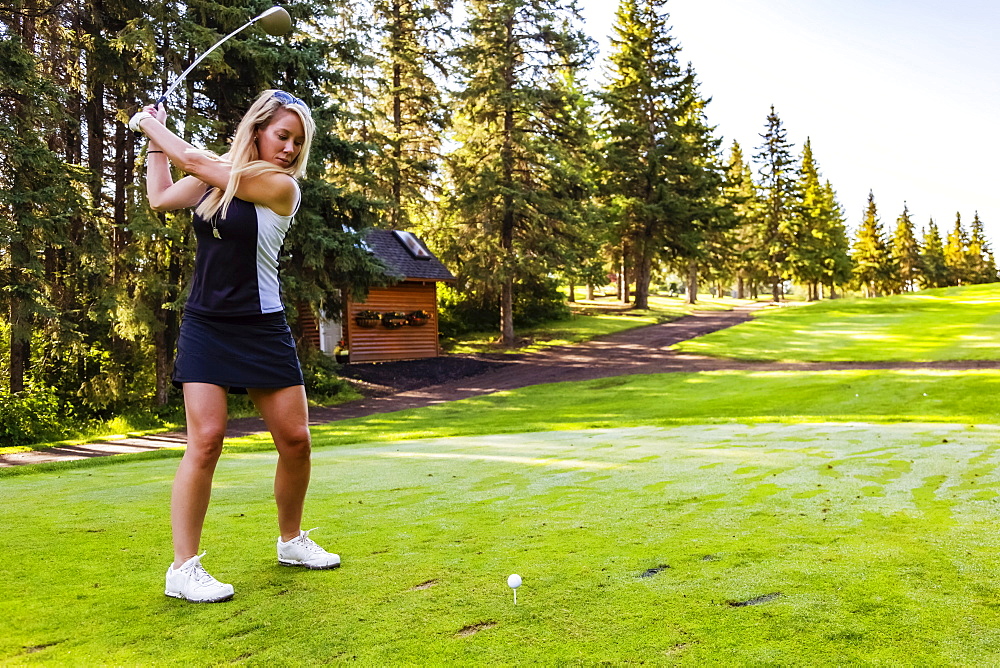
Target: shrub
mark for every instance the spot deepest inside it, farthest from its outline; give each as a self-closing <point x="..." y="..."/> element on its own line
<point x="320" y="373"/>
<point x="535" y="302"/>
<point x="33" y="417"/>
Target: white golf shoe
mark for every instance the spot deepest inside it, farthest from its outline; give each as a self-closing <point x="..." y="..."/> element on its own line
<point x="193" y="583"/>
<point x="302" y="551"/>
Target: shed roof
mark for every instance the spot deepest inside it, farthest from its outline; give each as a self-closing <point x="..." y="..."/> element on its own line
<point x="388" y="246"/>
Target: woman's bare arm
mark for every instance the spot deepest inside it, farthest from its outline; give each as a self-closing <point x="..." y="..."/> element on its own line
<point x="274" y="190"/>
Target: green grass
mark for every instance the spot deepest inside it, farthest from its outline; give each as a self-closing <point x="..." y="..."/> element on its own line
<point x="879" y="543"/>
<point x="784" y="518"/>
<point x="704" y="398"/>
<point x="590" y="320"/>
<point x="940" y="324"/>
<point x="145" y="424"/>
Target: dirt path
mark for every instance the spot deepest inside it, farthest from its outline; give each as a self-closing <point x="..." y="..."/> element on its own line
<point x="401" y="385"/>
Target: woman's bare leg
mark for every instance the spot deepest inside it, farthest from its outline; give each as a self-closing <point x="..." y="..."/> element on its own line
<point x="206" y="410"/>
<point x="286" y="414"/>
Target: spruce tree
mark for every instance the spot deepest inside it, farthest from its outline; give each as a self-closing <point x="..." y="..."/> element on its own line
<point x="871" y="254"/>
<point x="662" y="180"/>
<point x="741" y="197"/>
<point x="905" y="252"/>
<point x="508" y="224"/>
<point x="43" y="210"/>
<point x="573" y="178"/>
<point x="702" y="219"/>
<point x="982" y="267"/>
<point x="956" y="254"/>
<point x="778" y="192"/>
<point x="818" y="253"/>
<point x="933" y="270"/>
<point x="109" y="289"/>
<point x="835" y="258"/>
<point x="325" y="259"/>
<point x="409" y="116"/>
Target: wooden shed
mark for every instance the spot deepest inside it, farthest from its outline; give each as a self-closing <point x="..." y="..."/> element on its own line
<point x="397" y="322"/>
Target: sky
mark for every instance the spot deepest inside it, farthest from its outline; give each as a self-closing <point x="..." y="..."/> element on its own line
<point x="899" y="98"/>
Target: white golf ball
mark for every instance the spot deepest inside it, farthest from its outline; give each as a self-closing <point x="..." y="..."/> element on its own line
<point x="514" y="581"/>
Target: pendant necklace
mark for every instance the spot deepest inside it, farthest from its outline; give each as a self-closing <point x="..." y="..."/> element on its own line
<point x="215" y="230"/>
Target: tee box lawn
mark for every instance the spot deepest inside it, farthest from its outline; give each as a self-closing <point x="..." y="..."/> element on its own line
<point x="805" y="518"/>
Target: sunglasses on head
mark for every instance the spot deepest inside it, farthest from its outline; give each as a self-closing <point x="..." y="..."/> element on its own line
<point x="286" y="98"/>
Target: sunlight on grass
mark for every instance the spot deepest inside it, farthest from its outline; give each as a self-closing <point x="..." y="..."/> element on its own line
<point x="532" y="461"/>
<point x="590" y="320"/>
<point x="732" y="517"/>
<point x="941" y="324"/>
<point x="743" y="544"/>
<point x="720" y="397"/>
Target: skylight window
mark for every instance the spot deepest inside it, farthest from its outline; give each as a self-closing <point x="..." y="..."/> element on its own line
<point x="412" y="245"/>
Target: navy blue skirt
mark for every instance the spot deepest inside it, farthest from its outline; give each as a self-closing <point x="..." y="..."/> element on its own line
<point x="237" y="353"/>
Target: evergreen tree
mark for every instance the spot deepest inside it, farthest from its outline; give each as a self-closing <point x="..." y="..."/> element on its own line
<point x="819" y="251"/>
<point x="323" y="254"/>
<point x="508" y="221"/>
<point x="325" y="257"/>
<point x="956" y="254"/>
<point x="835" y="259"/>
<point x="703" y="219"/>
<point x="409" y="116"/>
<point x="818" y="254"/>
<point x="933" y="270"/>
<point x="805" y="249"/>
<point x="741" y="263"/>
<point x="982" y="267"/>
<point x="100" y="277"/>
<point x="662" y="179"/>
<point x="39" y="196"/>
<point x="777" y="186"/>
<point x="905" y="252"/>
<point x="573" y="178"/>
<point x="871" y="253"/>
<point x="61" y="218"/>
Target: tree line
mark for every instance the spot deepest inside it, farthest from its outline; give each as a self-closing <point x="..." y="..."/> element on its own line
<point x="471" y="123"/>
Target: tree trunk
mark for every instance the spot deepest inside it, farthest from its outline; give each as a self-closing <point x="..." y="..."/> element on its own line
<point x="507" y="313"/>
<point x="776" y="290"/>
<point x="20" y="348"/>
<point x="507" y="223"/>
<point x="692" y="283"/>
<point x="397" y="121"/>
<point x="572" y="292"/>
<point x="590" y="291"/>
<point x="642" y="270"/>
<point x="164" y="359"/>
<point x="739" y="287"/>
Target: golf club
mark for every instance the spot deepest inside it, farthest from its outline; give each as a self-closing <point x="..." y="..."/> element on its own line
<point x="275" y="21"/>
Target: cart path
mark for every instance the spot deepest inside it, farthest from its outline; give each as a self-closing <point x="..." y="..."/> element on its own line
<point x="643" y="350"/>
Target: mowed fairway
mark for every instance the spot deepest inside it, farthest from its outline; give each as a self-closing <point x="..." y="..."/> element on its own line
<point x="720" y="518"/>
<point x="812" y="543"/>
<point x="931" y="325"/>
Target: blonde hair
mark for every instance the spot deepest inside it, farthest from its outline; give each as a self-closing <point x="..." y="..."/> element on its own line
<point x="246" y="162"/>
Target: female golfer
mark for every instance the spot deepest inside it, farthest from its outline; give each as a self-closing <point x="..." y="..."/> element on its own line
<point x="233" y="336"/>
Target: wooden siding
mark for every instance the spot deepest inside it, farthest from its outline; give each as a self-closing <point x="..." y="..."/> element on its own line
<point x="308" y="324"/>
<point x="382" y="344"/>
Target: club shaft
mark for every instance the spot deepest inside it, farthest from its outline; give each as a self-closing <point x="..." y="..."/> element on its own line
<point x="176" y="82"/>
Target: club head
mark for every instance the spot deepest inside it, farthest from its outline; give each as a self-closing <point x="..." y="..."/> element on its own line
<point x="275" y="21"/>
